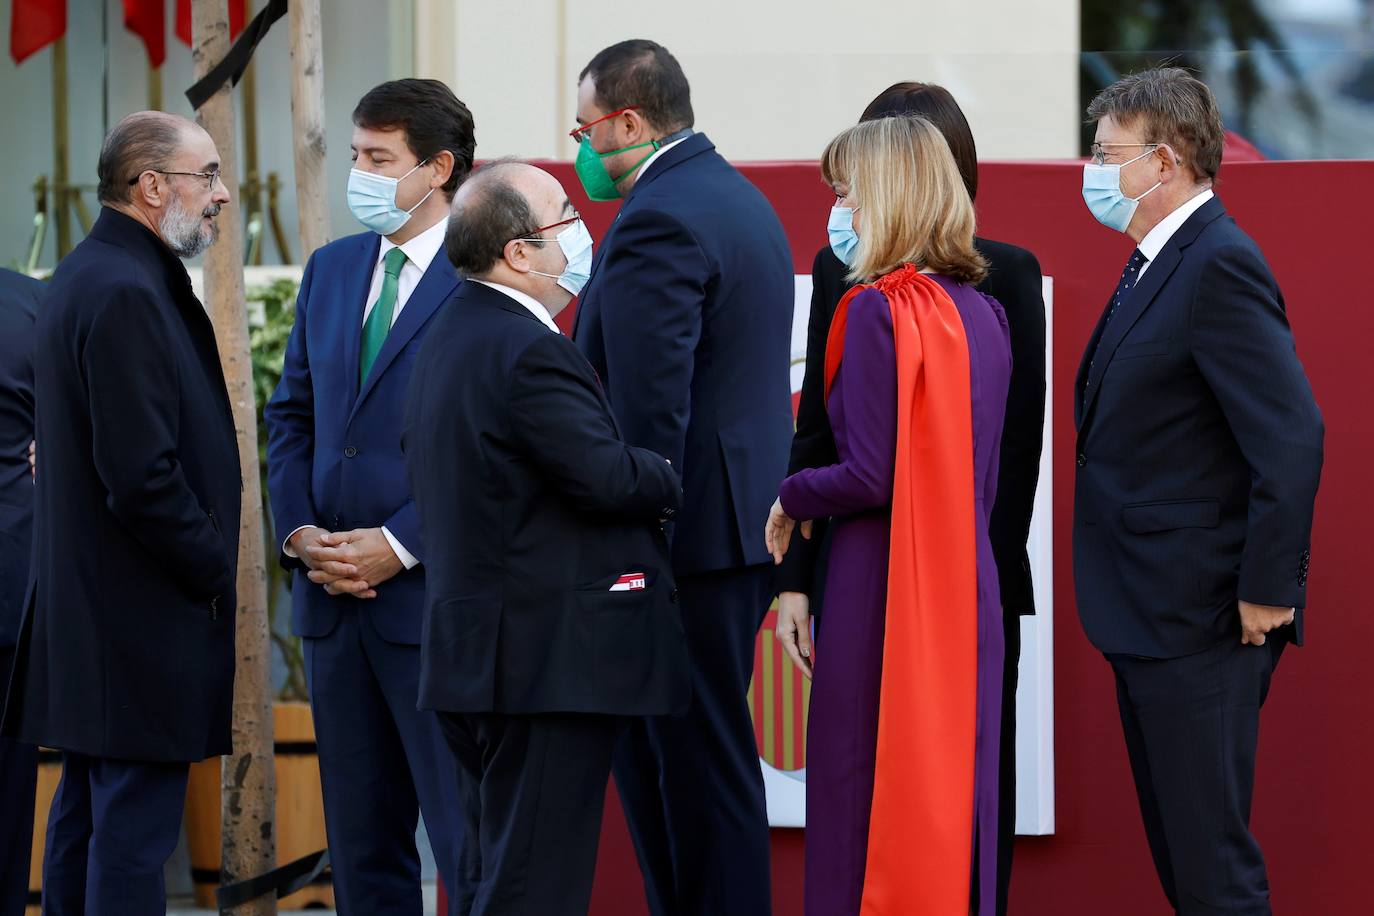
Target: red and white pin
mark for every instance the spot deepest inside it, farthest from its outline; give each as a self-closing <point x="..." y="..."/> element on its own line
<point x="630" y="582"/>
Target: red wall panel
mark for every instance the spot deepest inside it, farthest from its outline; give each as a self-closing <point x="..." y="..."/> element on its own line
<point x="1313" y="807"/>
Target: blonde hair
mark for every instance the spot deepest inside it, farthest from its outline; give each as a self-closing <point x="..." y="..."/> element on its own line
<point x="915" y="208"/>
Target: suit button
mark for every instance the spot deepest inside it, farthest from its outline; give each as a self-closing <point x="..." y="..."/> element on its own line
<point x="1082" y="460"/>
<point x="672" y="596"/>
<point x="670" y="513"/>
<point x="350" y="452"/>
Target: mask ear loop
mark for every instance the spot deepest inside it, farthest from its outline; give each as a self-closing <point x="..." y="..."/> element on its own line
<point x="412" y="210"/>
<point x="1157" y="184"/>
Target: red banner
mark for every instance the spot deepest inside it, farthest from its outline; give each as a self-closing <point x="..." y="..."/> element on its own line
<point x="148" y="20"/>
<point x="35" y="24"/>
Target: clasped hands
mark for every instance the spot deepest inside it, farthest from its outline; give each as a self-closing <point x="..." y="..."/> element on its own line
<point x="347" y="562"/>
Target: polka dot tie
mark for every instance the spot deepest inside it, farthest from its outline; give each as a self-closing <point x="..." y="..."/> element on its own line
<point x="1128" y="278"/>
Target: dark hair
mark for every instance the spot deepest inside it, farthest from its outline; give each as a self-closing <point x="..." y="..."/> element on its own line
<point x="936" y="105"/>
<point x="491" y="213"/>
<point x="141" y="141"/>
<point x="1174" y="107"/>
<point x="430" y="115"/>
<point x="641" y="73"/>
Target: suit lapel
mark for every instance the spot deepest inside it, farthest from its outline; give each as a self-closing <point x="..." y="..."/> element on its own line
<point x="1108" y="338"/>
<point x="1127" y="314"/>
<point x="434" y="288"/>
<point x="354" y="296"/>
<point x="1083" y="364"/>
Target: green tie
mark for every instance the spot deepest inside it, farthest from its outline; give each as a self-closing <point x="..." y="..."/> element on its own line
<point x="379" y="319"/>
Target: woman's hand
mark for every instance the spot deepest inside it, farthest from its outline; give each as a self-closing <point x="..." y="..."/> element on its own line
<point x="794" y="629"/>
<point x="777" y="533"/>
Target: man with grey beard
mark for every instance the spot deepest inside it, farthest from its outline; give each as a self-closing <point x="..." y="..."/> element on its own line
<point x="125" y="658"/>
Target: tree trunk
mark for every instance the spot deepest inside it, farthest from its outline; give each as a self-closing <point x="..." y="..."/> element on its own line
<point x="248" y="781"/>
<point x="307" y="117"/>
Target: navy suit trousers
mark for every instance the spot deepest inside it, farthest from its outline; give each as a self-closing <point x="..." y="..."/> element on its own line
<point x="534" y="787"/>
<point x="112" y="827"/>
<point x="1192" y="728"/>
<point x="691" y="786"/>
<point x="18" y="783"/>
<point x="383" y="763"/>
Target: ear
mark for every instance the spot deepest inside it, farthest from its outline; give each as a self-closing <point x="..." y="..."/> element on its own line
<point x="637" y="129"/>
<point x="443" y="168"/>
<point x="147" y="190"/>
<point x="1170" y="164"/>
<point x="516" y="254"/>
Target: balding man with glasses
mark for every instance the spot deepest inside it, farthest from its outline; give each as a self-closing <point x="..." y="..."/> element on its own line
<point x="125" y="659"/>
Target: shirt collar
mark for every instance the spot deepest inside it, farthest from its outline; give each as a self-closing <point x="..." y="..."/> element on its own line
<point x="420" y="250"/>
<point x="531" y="304"/>
<point x="659" y="152"/>
<point x="1159" y="236"/>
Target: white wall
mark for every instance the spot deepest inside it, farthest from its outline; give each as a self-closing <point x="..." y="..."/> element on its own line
<point x="771" y="79"/>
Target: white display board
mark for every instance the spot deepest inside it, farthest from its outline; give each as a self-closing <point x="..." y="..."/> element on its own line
<point x="786" y="791"/>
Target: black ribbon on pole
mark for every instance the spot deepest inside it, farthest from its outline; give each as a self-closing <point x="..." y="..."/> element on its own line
<point x="282" y="881"/>
<point x="230" y="70"/>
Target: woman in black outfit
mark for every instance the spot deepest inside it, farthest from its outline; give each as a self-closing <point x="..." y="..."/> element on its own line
<point x="1014" y="281"/>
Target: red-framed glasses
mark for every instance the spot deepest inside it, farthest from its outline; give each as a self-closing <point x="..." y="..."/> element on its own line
<point x="576" y="217"/>
<point x="577" y="133"/>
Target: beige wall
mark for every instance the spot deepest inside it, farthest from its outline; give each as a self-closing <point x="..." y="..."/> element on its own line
<point x="771" y="79"/>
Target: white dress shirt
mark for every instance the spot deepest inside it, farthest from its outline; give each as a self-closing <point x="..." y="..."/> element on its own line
<point x="658" y="152"/>
<point x="531" y="304"/>
<point x="1159" y="236"/>
<point x="420" y="253"/>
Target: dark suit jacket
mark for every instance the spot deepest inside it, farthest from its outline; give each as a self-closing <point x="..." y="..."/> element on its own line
<point x="19" y="299"/>
<point x="531" y="508"/>
<point x="1015" y="282"/>
<point x="1199" y="450"/>
<point x="127" y="646"/>
<point x="333" y="448"/>
<point x="687" y="319"/>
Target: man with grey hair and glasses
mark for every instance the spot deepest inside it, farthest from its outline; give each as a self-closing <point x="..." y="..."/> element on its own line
<point x="1199" y="453"/>
<point x="125" y="658"/>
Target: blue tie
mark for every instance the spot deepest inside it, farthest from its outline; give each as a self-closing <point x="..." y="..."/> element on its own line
<point x="1129" y="276"/>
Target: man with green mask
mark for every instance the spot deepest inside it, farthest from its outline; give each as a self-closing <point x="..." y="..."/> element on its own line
<point x="687" y="320"/>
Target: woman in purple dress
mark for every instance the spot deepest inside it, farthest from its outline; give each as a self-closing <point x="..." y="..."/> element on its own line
<point x="903" y="735"/>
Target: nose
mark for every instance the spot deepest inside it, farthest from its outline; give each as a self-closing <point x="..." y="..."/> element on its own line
<point x="220" y="192"/>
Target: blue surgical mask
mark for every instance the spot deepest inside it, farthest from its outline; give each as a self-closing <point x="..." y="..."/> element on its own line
<point x="1103" y="195"/>
<point x="843" y="240"/>
<point x="576" y="243"/>
<point x="372" y="198"/>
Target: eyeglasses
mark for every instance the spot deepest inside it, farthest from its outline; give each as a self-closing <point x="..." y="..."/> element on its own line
<point x="576" y="217"/>
<point x="211" y="178"/>
<point x="1099" y="151"/>
<point x="578" y="133"/>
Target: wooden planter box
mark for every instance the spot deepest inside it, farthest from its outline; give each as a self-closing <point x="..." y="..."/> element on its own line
<point x="300" y="810"/>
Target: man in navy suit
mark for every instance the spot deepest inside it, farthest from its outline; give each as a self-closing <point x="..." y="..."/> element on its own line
<point x="1199" y="452"/>
<point x="125" y="659"/>
<point x="551" y="613"/>
<point x="687" y="319"/>
<point x="342" y="504"/>
<point x="19" y="299"/>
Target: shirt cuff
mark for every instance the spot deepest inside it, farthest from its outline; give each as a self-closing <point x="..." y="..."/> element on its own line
<point x="286" y="544"/>
<point x="407" y="558"/>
